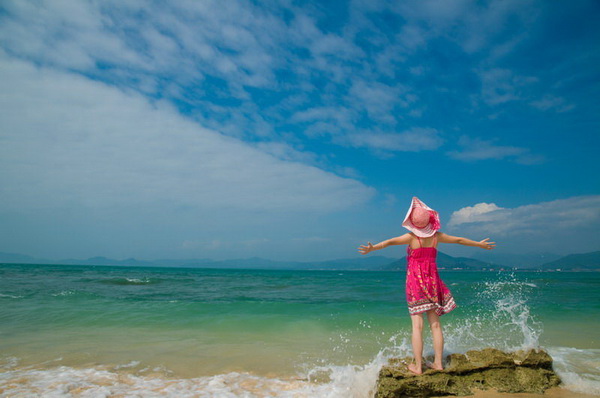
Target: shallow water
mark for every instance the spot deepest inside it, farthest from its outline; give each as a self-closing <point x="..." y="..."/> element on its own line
<point x="171" y="331"/>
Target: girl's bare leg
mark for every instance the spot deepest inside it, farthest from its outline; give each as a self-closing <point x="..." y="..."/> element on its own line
<point x="438" y="338"/>
<point x="417" y="343"/>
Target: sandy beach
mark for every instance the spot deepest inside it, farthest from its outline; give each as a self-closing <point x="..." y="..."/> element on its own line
<point x="556" y="392"/>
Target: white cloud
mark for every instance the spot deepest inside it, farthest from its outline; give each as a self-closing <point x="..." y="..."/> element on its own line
<point x="550" y="102"/>
<point x="548" y="220"/>
<point x="413" y="140"/>
<point x="68" y="34"/>
<point x="474" y="149"/>
<point x="412" y="37"/>
<point x="378" y="99"/>
<point x="207" y="55"/>
<point x="239" y="67"/>
<point x="181" y="40"/>
<point x="502" y="85"/>
<point x="485" y="23"/>
<point x="474" y="26"/>
<point x="339" y="114"/>
<point x="67" y="141"/>
<point x="476" y="213"/>
<point x="287" y="152"/>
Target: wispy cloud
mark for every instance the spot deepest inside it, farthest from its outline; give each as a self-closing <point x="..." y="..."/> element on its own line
<point x="379" y="100"/>
<point x="238" y="67"/>
<point x="550" y="102"/>
<point x="340" y="115"/>
<point x="502" y="85"/>
<point x="210" y="56"/>
<point x="164" y="105"/>
<point x="474" y="26"/>
<point x="71" y="35"/>
<point x="474" y="149"/>
<point x="413" y="140"/>
<point x="69" y="140"/>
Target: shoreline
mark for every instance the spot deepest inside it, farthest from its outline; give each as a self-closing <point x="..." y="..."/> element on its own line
<point x="124" y="382"/>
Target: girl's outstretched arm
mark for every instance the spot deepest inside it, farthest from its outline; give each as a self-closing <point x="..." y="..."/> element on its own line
<point x="400" y="240"/>
<point x="484" y="244"/>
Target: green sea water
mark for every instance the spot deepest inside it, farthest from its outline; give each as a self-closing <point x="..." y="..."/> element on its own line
<point x="78" y="330"/>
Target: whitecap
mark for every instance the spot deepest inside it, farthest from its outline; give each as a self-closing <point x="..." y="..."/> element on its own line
<point x="345" y="381"/>
<point x="137" y="280"/>
<point x="128" y="365"/>
<point x="579" y="369"/>
<point x="9" y="362"/>
<point x="64" y="293"/>
<point x="10" y="296"/>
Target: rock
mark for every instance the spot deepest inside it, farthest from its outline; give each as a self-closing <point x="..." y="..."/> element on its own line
<point x="521" y="371"/>
<point x="532" y="358"/>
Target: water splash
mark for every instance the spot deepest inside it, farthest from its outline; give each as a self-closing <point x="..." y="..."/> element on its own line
<point x="501" y="318"/>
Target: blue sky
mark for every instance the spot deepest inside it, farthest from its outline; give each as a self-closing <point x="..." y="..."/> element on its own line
<point x="295" y="130"/>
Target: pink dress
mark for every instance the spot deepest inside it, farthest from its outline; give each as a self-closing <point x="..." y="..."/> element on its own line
<point x="425" y="290"/>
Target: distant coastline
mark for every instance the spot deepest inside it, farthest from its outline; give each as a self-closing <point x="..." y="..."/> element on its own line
<point x="584" y="262"/>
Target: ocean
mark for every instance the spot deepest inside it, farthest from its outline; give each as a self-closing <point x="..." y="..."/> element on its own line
<point x="94" y="331"/>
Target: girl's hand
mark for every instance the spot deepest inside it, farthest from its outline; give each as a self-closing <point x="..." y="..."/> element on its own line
<point x="484" y="244"/>
<point x="365" y="249"/>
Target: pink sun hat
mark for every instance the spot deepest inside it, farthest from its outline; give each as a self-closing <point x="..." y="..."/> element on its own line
<point x="421" y="220"/>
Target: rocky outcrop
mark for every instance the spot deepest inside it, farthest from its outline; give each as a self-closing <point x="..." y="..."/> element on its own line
<point x="521" y="371"/>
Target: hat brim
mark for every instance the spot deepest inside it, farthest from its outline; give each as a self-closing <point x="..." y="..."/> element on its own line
<point x="426" y="231"/>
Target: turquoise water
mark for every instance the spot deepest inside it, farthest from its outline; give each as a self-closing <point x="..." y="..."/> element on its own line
<point x="174" y="331"/>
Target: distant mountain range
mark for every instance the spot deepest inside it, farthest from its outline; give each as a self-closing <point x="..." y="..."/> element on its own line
<point x="362" y="263"/>
<point x="445" y="261"/>
<point x="523" y="260"/>
<point x="577" y="262"/>
<point x="572" y="262"/>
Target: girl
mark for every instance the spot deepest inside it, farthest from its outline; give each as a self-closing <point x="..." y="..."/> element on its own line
<point x="425" y="291"/>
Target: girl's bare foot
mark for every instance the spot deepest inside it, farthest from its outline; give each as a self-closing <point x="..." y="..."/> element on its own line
<point x="434" y="366"/>
<point x="413" y="368"/>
